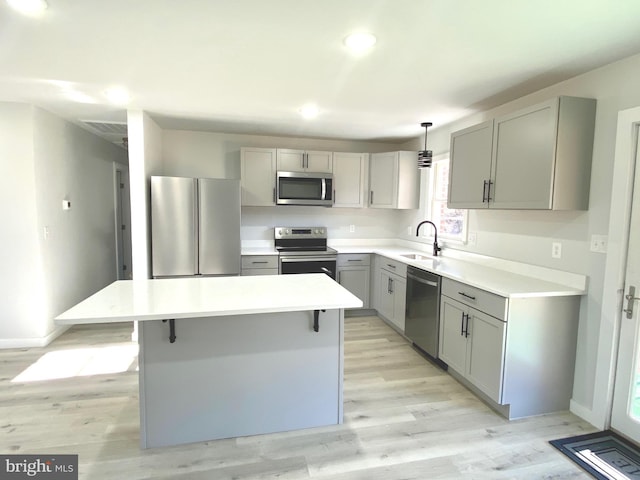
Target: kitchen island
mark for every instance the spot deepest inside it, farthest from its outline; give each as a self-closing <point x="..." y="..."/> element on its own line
<point x="224" y="357"/>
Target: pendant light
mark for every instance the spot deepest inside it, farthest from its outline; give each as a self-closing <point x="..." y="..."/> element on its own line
<point x="425" y="157"/>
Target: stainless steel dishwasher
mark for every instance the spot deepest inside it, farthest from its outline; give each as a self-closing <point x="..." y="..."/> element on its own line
<point x="422" y="316"/>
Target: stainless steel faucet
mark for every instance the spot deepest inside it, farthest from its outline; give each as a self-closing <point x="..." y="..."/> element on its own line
<point x="436" y="248"/>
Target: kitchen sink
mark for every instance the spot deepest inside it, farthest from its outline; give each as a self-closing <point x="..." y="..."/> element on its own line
<point x="416" y="256"/>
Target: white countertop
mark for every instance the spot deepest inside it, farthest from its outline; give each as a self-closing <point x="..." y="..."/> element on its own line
<point x="501" y="281"/>
<point x="259" y="251"/>
<point x="127" y="300"/>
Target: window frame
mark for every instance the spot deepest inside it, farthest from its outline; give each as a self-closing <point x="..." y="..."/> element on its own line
<point x="430" y="203"/>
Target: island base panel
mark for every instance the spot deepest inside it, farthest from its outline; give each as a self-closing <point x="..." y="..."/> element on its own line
<point x="240" y="375"/>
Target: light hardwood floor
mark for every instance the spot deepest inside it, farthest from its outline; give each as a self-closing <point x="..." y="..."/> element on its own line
<point x="404" y="419"/>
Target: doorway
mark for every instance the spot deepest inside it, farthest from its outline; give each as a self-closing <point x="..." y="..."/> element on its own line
<point x="625" y="412"/>
<point x="122" y="223"/>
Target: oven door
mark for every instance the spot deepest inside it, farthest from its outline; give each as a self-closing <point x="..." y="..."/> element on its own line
<point x="308" y="264"/>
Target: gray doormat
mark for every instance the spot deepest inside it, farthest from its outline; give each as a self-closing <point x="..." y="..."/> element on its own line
<point x="604" y="455"/>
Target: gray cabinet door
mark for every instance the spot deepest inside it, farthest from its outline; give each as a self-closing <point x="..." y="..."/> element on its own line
<point x="258" y="171"/>
<point x="485" y="354"/>
<point x="453" y="342"/>
<point x="173" y="226"/>
<point x="383" y="178"/>
<point x="385" y="295"/>
<point x="356" y="280"/>
<point x="219" y="232"/>
<point x="524" y="158"/>
<point x="470" y="166"/>
<point x="349" y="173"/>
<point x="321" y="162"/>
<point x="290" y="160"/>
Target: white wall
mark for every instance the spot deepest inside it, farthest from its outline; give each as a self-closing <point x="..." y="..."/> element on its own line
<point x="22" y="279"/>
<point x="527" y="235"/>
<point x="46" y="160"/>
<point x="217" y="155"/>
<point x="145" y="160"/>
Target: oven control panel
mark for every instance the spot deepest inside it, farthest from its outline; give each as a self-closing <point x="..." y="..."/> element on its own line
<point x="300" y="232"/>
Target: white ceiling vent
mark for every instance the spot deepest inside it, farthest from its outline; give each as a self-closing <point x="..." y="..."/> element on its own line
<point x="115" y="132"/>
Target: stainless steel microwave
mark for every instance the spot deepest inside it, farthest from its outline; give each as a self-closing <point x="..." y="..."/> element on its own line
<point x="304" y="188"/>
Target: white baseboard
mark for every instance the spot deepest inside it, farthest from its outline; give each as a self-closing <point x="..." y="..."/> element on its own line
<point x="34" y="341"/>
<point x="586" y="414"/>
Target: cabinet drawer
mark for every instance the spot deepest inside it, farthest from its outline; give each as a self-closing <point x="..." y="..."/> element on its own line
<point x="246" y="272"/>
<point x="393" y="266"/>
<point x="259" y="261"/>
<point x="484" y="301"/>
<point x="353" y="259"/>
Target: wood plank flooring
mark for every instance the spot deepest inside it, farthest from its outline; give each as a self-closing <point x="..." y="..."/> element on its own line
<point x="404" y="419"/>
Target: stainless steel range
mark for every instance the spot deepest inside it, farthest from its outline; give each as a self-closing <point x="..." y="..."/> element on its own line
<point x="304" y="250"/>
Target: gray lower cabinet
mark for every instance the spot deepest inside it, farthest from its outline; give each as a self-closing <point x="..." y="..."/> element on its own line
<point x="472" y="343"/>
<point x="518" y="353"/>
<point x="354" y="271"/>
<point x="392" y="291"/>
<point x="259" y="264"/>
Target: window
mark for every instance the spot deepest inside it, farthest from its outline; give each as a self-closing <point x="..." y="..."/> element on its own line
<point x="452" y="223"/>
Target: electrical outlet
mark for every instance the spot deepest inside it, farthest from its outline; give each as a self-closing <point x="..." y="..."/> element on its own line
<point x="556" y="250"/>
<point x="599" y="243"/>
<point x="473" y="238"/>
<point x="352" y="228"/>
<point x="409" y="230"/>
<point x="47" y="233"/>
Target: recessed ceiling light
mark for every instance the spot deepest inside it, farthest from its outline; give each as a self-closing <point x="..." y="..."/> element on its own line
<point x="117" y="95"/>
<point x="28" y="7"/>
<point x="309" y="111"/>
<point x="360" y="42"/>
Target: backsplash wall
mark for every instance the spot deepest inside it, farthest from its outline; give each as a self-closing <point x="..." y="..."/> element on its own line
<point x="258" y="222"/>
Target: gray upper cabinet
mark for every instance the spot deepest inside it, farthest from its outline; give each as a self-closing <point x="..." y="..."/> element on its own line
<point x="394" y="180"/>
<point x="469" y="166"/>
<point x="540" y="159"/>
<point x="349" y="176"/>
<point x="304" y="161"/>
<point x="258" y="176"/>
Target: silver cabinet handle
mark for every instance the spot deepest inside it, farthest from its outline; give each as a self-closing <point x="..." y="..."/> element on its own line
<point x="391" y="285"/>
<point x="371" y="197"/>
<point x="484" y="191"/>
<point x="259" y="262"/>
<point x="466" y="295"/>
<point x="354" y="260"/>
<point x="630" y="297"/>
<point x="391" y="266"/>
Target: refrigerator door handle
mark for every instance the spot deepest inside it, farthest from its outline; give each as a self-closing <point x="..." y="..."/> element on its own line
<point x="196" y="227"/>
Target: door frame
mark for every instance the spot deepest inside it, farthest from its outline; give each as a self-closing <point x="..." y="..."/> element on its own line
<point x="615" y="267"/>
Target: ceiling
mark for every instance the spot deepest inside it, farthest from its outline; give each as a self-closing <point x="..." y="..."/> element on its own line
<point x="247" y="66"/>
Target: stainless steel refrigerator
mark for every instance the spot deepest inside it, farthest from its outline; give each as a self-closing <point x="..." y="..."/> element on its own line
<point x="195" y="226"/>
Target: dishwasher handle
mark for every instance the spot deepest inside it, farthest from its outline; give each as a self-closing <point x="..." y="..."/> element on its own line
<point x="422" y="280"/>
